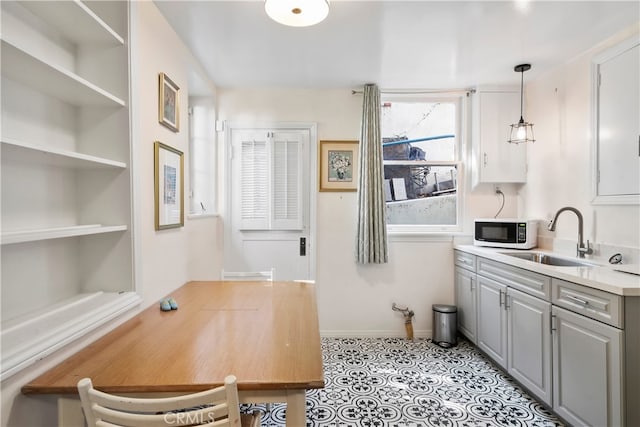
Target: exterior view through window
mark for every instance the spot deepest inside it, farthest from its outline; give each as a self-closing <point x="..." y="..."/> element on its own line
<point x="420" y="153"/>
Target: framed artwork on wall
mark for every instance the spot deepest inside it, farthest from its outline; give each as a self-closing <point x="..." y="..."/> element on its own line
<point x="169" y="103"/>
<point x="338" y="165"/>
<point x="169" y="186"/>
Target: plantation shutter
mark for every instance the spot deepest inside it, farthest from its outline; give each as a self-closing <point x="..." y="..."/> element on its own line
<point x="271" y="182"/>
<point x="287" y="180"/>
<point x="254" y="176"/>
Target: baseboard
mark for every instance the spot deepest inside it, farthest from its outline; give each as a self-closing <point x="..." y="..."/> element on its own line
<point x="424" y="333"/>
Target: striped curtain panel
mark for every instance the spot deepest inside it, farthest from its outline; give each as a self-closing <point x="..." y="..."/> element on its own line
<point x="371" y="246"/>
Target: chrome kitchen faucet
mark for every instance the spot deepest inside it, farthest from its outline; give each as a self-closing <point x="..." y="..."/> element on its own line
<point x="581" y="250"/>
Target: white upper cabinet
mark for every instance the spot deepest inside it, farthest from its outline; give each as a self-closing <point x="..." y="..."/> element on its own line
<point x="494" y="160"/>
<point x="67" y="243"/>
<point x="616" y="124"/>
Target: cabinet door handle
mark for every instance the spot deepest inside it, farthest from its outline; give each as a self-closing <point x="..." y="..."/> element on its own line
<point x="501" y="298"/>
<point x="578" y="300"/>
<point x="485" y="159"/>
<point x="552" y="324"/>
<point x="507" y="305"/>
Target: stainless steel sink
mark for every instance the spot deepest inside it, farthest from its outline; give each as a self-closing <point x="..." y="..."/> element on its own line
<point x="547" y="259"/>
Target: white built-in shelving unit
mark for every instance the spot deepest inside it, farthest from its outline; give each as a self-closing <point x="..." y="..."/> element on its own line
<point x="66" y="231"/>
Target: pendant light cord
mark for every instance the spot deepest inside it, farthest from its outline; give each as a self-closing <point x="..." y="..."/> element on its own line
<point x="521" y="94"/>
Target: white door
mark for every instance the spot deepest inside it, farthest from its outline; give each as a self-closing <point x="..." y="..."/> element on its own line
<point x="270" y="206"/>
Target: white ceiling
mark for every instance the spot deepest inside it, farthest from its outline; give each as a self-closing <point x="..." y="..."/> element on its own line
<point x="396" y="44"/>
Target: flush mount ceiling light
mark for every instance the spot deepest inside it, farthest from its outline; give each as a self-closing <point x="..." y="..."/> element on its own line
<point x="521" y="131"/>
<point x="297" y="13"/>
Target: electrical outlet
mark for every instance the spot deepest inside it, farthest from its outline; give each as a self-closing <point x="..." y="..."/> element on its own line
<point x="497" y="189"/>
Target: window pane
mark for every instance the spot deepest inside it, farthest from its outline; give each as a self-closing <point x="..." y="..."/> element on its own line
<point x="202" y="157"/>
<point x="428" y="127"/>
<point x="424" y="195"/>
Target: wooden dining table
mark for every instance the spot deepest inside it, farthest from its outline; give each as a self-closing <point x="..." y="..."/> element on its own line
<point x="264" y="333"/>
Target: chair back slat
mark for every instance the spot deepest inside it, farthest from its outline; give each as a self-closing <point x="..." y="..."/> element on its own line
<point x="215" y="407"/>
<point x="163" y="404"/>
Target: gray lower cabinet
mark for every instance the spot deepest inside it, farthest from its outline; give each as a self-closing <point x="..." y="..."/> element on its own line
<point x="465" y="288"/>
<point x="514" y="330"/>
<point x="574" y="347"/>
<point x="466" y="294"/>
<point x="587" y="365"/>
<point x="529" y="343"/>
<point x="492" y="319"/>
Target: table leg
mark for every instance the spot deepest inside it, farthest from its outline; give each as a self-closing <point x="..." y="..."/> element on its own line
<point x="70" y="412"/>
<point x="296" y="408"/>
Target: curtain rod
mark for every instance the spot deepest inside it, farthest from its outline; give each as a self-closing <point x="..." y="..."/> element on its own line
<point x="420" y="91"/>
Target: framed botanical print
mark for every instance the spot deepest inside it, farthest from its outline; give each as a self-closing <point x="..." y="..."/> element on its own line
<point x="169" y="103"/>
<point x="169" y="186"/>
<point x="338" y="165"/>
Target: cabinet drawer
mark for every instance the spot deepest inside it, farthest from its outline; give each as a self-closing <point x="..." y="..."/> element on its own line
<point x="526" y="281"/>
<point x="593" y="303"/>
<point x="465" y="260"/>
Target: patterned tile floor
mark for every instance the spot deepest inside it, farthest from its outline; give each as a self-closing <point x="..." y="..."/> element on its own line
<point x="378" y="382"/>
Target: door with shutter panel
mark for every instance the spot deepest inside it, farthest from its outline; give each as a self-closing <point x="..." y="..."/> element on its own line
<point x="270" y="202"/>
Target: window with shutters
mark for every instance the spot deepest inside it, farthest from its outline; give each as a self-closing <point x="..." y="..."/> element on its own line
<point x="270" y="176"/>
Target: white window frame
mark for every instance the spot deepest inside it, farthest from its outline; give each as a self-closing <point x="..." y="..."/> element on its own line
<point x="202" y="148"/>
<point x="462" y="105"/>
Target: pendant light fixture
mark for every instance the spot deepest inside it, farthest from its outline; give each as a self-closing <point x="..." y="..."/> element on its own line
<point x="521" y="131"/>
<point x="297" y="13"/>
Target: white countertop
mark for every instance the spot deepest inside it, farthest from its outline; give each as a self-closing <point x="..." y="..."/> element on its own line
<point x="596" y="276"/>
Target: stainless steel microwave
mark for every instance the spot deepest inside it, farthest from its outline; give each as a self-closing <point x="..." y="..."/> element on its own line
<point x="505" y="233"/>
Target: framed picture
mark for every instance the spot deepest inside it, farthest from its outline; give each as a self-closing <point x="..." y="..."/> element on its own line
<point x="338" y="165"/>
<point x="169" y="186"/>
<point x="169" y="103"/>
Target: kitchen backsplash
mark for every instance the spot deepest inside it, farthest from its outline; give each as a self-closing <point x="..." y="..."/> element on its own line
<point x="601" y="251"/>
<point x="547" y="241"/>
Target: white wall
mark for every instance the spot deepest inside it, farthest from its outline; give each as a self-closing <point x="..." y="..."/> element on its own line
<point x="356" y="300"/>
<point x="167" y="258"/>
<point x="164" y="259"/>
<point x="559" y="104"/>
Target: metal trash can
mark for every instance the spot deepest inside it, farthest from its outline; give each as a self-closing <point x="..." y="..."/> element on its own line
<point x="445" y="325"/>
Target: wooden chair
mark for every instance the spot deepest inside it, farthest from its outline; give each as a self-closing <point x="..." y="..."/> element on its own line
<point x="215" y="407"/>
<point x="268" y="275"/>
